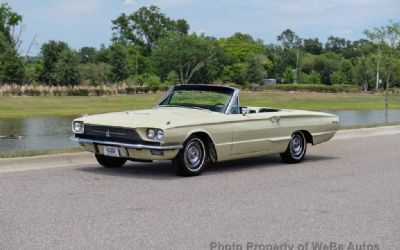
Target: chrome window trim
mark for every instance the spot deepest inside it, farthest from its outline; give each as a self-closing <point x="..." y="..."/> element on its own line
<point x="232" y="101"/>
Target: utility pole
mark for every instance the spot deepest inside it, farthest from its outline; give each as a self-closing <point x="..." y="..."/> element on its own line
<point x="297" y="67"/>
<point x="378" y="66"/>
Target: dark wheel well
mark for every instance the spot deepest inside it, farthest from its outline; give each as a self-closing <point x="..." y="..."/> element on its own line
<point x="308" y="136"/>
<point x="212" y="153"/>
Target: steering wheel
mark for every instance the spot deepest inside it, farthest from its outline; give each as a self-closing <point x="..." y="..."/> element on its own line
<point x="219" y="107"/>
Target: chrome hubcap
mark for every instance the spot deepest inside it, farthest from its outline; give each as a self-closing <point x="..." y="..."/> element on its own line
<point x="194" y="154"/>
<point x="297" y="146"/>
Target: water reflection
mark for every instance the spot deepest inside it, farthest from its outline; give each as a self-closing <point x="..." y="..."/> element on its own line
<point x="362" y="117"/>
<point x="40" y="133"/>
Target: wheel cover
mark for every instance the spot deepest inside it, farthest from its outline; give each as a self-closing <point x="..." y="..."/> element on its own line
<point x="194" y="154"/>
<point x="297" y="146"/>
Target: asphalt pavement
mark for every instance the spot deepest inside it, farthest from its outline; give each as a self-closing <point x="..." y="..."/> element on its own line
<point x="346" y="193"/>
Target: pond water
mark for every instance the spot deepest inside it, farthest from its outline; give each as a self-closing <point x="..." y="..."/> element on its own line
<point x="41" y="133"/>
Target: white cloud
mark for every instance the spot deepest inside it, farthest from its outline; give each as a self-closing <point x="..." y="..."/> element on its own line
<point x="128" y="2"/>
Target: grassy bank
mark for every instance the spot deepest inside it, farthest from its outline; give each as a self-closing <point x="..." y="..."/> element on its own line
<point x="24" y="106"/>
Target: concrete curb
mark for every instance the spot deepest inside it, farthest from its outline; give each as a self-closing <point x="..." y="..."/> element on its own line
<point x="45" y="161"/>
<point x="72" y="159"/>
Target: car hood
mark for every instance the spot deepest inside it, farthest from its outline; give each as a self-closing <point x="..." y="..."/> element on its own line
<point x="160" y="117"/>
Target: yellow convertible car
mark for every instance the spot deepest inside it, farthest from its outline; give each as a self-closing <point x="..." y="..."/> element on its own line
<point x="195" y="124"/>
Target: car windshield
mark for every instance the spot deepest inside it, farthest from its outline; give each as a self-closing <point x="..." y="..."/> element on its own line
<point x="204" y="99"/>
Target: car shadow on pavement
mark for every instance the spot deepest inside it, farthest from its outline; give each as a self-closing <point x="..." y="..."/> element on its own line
<point x="163" y="170"/>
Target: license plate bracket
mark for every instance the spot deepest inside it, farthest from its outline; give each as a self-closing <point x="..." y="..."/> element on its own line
<point x="111" y="151"/>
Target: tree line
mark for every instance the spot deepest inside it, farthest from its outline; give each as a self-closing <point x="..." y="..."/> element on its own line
<point x="149" y="48"/>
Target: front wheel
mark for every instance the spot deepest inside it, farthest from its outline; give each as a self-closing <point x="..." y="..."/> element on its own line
<point x="296" y="149"/>
<point x="192" y="158"/>
<point x="110" y="162"/>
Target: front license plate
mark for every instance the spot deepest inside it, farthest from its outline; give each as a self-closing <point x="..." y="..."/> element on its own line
<point x="111" y="151"/>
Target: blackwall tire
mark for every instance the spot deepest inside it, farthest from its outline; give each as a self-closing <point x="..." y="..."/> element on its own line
<point x="296" y="149"/>
<point x="110" y="162"/>
<point x="192" y="159"/>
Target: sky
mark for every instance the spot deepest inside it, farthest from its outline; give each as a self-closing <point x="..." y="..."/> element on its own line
<point x="88" y="22"/>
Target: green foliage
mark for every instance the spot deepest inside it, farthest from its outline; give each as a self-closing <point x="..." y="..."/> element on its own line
<point x="186" y="54"/>
<point x="11" y="67"/>
<point x="315" y="88"/>
<point x="255" y="70"/>
<point x="172" y="79"/>
<point x="66" y="69"/>
<point x="118" y="59"/>
<point x="78" y="92"/>
<point x="145" y="27"/>
<point x="288" y="76"/>
<point x="32" y="92"/>
<point x="8" y="21"/>
<point x="50" y="54"/>
<point x="95" y="74"/>
<point x="312" y="78"/>
<point x="147" y="43"/>
<point x="239" y="46"/>
<point x="153" y="82"/>
<point x="87" y="55"/>
<point x="338" y="77"/>
<point x="313" y="46"/>
<point x="289" y="39"/>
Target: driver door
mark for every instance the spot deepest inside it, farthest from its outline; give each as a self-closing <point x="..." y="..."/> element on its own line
<point x="252" y="133"/>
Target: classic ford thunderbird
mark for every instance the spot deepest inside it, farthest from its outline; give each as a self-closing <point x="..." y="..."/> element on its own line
<point x="195" y="124"/>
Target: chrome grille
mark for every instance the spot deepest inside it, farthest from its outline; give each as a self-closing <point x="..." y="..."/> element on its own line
<point x="113" y="134"/>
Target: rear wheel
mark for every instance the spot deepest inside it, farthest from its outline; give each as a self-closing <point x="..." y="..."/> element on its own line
<point x="110" y="162"/>
<point x="296" y="149"/>
<point x="192" y="158"/>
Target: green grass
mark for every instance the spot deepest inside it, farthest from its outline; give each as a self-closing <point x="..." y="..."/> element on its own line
<point x="18" y="107"/>
<point x="15" y="154"/>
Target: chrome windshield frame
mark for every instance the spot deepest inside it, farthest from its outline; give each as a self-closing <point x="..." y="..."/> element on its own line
<point x="228" y="109"/>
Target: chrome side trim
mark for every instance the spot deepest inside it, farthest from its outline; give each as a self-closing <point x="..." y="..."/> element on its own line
<point x="125" y="145"/>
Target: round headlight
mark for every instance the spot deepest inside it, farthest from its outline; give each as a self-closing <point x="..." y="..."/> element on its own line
<point x="160" y="135"/>
<point x="78" y="127"/>
<point x="151" y="133"/>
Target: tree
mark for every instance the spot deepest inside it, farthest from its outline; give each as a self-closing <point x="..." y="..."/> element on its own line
<point x="87" y="55"/>
<point x="289" y="39"/>
<point x="145" y="27"/>
<point x="312" y="46"/>
<point x="66" y="69"/>
<point x="9" y="20"/>
<point x="288" y="76"/>
<point x="50" y="53"/>
<point x="118" y="60"/>
<point x="11" y="67"/>
<point x="338" y="77"/>
<point x="186" y="54"/>
<point x="255" y="70"/>
<point x="239" y="46"/>
<point x="377" y="36"/>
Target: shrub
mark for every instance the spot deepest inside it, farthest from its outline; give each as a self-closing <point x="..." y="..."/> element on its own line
<point x="153" y="83"/>
<point x="314" y="87"/>
<point x="58" y="92"/>
<point x="99" y="91"/>
<point x="32" y="92"/>
<point x="77" y="92"/>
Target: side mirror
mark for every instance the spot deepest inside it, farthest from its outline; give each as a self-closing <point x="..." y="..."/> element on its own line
<point x="245" y="111"/>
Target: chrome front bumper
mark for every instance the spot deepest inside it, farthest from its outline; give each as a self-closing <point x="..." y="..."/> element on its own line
<point x="132" y="146"/>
